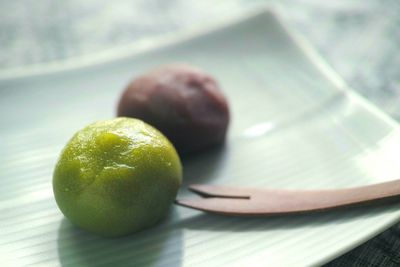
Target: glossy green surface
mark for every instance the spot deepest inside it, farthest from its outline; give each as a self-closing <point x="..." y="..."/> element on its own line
<point x="117" y="177"/>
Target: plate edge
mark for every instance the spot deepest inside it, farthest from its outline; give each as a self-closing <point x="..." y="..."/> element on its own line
<point x="329" y="73"/>
<point x="141" y="47"/>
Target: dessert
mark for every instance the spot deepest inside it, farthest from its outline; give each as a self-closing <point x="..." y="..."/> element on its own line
<point x="181" y="101"/>
<point x="116" y="177"/>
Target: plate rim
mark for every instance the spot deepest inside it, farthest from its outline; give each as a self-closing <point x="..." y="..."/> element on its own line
<point x="147" y="45"/>
<point x="339" y="83"/>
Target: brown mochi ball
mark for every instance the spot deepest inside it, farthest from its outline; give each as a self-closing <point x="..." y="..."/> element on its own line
<point x="183" y="102"/>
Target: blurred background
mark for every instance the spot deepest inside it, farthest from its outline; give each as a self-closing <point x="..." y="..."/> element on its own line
<point x="359" y="38"/>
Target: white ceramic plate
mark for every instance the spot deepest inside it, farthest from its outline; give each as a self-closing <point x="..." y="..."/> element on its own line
<point x="295" y="125"/>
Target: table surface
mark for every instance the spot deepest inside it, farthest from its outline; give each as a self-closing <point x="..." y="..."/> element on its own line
<point x="359" y="38"/>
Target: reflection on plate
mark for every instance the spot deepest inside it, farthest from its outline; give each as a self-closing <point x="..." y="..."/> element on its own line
<point x="295" y="125"/>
